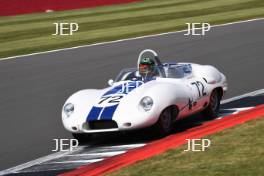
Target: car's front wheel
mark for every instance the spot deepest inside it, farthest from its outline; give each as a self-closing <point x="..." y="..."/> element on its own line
<point x="213" y="107"/>
<point x="82" y="137"/>
<point x="164" y="125"/>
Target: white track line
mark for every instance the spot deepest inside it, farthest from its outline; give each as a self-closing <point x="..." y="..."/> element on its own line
<point x="122" y="146"/>
<point x="235" y="111"/>
<point x="122" y="40"/>
<point x="103" y="154"/>
<point x="77" y="161"/>
<point x="57" y="155"/>
<point x="250" y="94"/>
<point x="238" y="109"/>
<point x="38" y="161"/>
<point x="60" y="154"/>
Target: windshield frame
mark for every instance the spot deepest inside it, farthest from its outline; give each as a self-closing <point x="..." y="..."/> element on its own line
<point x="134" y="69"/>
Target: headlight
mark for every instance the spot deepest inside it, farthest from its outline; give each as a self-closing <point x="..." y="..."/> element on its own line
<point x="146" y="103"/>
<point x="68" y="109"/>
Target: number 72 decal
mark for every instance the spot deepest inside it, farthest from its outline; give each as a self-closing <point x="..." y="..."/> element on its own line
<point x="111" y="99"/>
<point x="200" y="87"/>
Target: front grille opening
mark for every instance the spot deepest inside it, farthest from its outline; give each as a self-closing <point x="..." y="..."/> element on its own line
<point x="102" y="124"/>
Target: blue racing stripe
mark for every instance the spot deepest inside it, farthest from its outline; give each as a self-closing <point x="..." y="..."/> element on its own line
<point x="114" y="90"/>
<point x="94" y="113"/>
<point x="108" y="112"/>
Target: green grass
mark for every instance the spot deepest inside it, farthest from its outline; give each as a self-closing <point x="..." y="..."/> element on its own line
<point x="32" y="33"/>
<point x="238" y="151"/>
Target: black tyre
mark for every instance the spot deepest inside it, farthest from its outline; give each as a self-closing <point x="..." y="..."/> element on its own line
<point x="212" y="109"/>
<point x="82" y="137"/>
<point x="164" y="125"/>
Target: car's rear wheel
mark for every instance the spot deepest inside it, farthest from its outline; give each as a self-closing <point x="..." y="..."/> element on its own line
<point x="82" y="137"/>
<point x="213" y="107"/>
<point x="164" y="125"/>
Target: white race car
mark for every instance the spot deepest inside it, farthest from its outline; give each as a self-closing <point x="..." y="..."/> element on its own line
<point x="153" y="94"/>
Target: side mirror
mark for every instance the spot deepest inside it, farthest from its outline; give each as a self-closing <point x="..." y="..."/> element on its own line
<point x="110" y="82"/>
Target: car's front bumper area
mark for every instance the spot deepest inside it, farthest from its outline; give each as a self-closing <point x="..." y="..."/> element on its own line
<point x="121" y="121"/>
<point x="96" y="126"/>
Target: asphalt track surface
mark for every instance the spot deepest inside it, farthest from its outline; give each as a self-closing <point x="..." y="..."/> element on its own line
<point x="34" y="88"/>
<point x="99" y="157"/>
